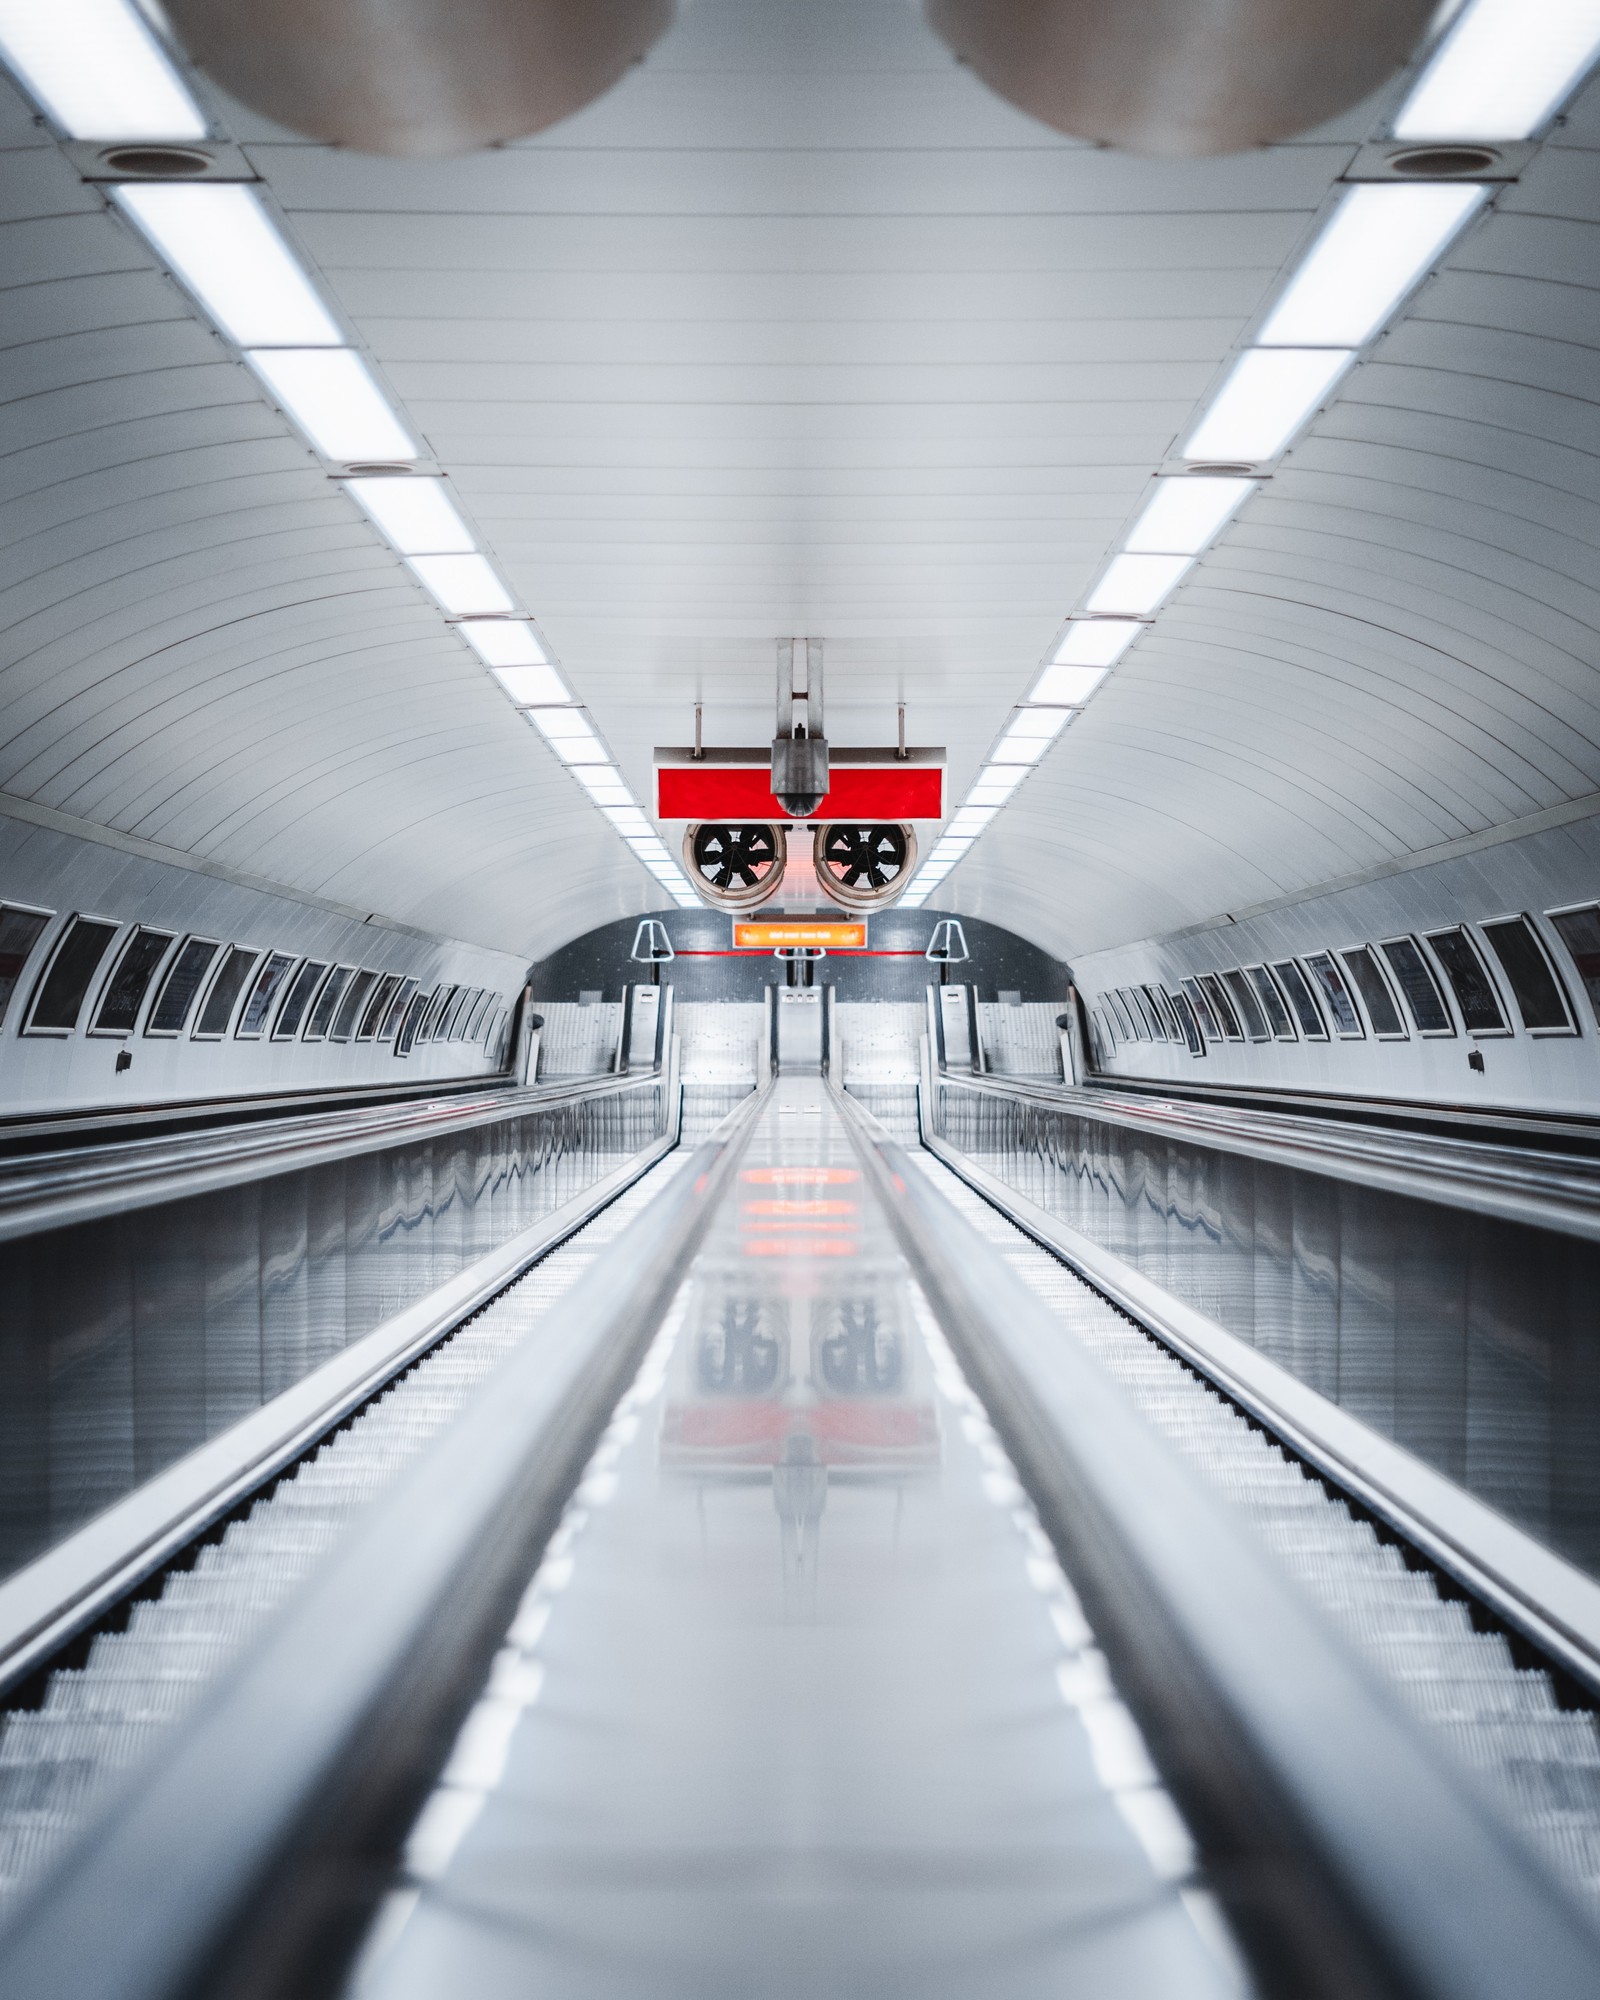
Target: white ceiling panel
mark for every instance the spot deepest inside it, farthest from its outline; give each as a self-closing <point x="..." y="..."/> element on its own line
<point x="799" y="330"/>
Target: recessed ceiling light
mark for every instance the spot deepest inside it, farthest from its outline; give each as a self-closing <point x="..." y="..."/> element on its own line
<point x="1136" y="584"/>
<point x="627" y="816"/>
<point x="97" y="70"/>
<point x="567" y="732"/>
<point x="417" y="515"/>
<point x="331" y="396"/>
<point x="462" y="584"/>
<point x="533" y="687"/>
<point x="1009" y="775"/>
<point x="603" y="783"/>
<point x="223" y="245"/>
<point x="1381" y="240"/>
<point x="1185" y="512"/>
<point x="1031" y="735"/>
<point x="987" y="795"/>
<point x="505" y="642"/>
<point x="1269" y="395"/>
<point x="1096" y="642"/>
<point x="1502" y="69"/>
<point x="1072" y="685"/>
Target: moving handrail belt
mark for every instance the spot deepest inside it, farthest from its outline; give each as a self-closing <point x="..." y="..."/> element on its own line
<point x="1353" y="1858"/>
<point x="1548" y="1190"/>
<point x="246" y="1860"/>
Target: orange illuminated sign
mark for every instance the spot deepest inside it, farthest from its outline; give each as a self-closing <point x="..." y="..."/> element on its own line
<point x="820" y="936"/>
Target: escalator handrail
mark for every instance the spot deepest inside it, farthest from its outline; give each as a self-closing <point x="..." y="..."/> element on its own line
<point x="52" y="1190"/>
<point x="1545" y="1190"/>
<point x="246" y="1855"/>
<point x="1354" y="1857"/>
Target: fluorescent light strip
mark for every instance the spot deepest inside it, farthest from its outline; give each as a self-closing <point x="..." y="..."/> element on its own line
<point x="1069" y="685"/>
<point x="533" y="687"/>
<point x="1096" y="642"/>
<point x="1137" y="584"/>
<point x="1185" y="512"/>
<point x="1502" y="69"/>
<point x="1380" y="241"/>
<point x="1269" y="395"/>
<point x="417" y="515"/>
<point x="335" y="401"/>
<point x="506" y="642"/>
<point x="462" y="584"/>
<point x="225" y="247"/>
<point x="97" y="70"/>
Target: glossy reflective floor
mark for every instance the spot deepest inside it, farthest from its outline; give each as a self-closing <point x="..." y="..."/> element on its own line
<point x="790" y="1707"/>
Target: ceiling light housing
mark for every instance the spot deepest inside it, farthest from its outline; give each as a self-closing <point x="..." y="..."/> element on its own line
<point x="220" y="241"/>
<point x="1068" y="685"/>
<point x="1184" y="513"/>
<point x="462" y="584"/>
<point x="1271" y="393"/>
<point x="1502" y="69"/>
<point x="1380" y="243"/>
<point x="98" y="70"/>
<point x="334" y="400"/>
<point x="416" y="514"/>
<point x="533" y="687"/>
<point x="1137" y="584"/>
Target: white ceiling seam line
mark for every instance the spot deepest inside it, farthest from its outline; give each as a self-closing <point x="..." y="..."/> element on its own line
<point x="1337" y="301"/>
<point x="227" y="251"/>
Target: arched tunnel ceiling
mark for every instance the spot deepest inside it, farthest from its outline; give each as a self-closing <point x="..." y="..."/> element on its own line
<point x="798" y="330"/>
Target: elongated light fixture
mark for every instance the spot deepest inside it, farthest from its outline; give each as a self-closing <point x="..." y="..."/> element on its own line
<point x="417" y="515"/>
<point x="1269" y="395"/>
<point x="97" y="69"/>
<point x="1502" y="69"/>
<point x="462" y="584"/>
<point x="335" y="401"/>
<point x="1381" y="240"/>
<point x="1136" y="583"/>
<point x="1184" y="514"/>
<point x="225" y="247"/>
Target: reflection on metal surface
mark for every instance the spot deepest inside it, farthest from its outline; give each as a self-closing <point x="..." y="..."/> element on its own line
<point x="797" y="1363"/>
<point x="1467" y="1338"/>
<point x="799" y="1701"/>
<point x="135" y="1337"/>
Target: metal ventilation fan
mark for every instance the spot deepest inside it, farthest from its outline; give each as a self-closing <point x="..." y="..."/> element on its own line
<point x="865" y="867"/>
<point x="734" y="867"/>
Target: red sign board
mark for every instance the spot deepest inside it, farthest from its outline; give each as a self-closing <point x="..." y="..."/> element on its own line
<point x="722" y="791"/>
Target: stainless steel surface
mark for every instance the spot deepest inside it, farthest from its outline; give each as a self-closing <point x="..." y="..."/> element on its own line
<point x="57" y="1764"/>
<point x="1542" y="868"/>
<point x="45" y="868"/>
<point x="1157" y="76"/>
<point x="1501" y="1718"/>
<point x="1464" y="1337"/>
<point x="1278" y="1741"/>
<point x="78" y="1579"/>
<point x="1548" y="1190"/>
<point x="414" y="76"/>
<point x="799" y="1702"/>
<point x="141" y="1332"/>
<point x="241" y="1805"/>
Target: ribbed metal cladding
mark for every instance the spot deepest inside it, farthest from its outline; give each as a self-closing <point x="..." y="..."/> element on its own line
<point x="96" y="1721"/>
<point x="1502" y="1720"/>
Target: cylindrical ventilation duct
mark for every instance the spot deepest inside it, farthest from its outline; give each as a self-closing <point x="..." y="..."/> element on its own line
<point x="864" y="868"/>
<point x="734" y="868"/>
<point x="417" y="76"/>
<point x="1183" y="76"/>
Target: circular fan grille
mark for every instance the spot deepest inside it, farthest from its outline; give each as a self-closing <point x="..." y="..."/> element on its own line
<point x="865" y="857"/>
<point x="735" y="857"/>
